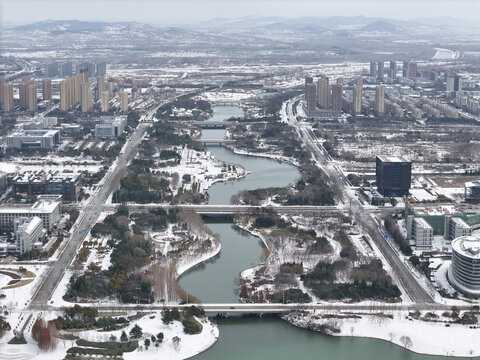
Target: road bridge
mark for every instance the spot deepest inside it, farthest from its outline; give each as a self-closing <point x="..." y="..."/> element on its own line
<point x="268" y="308"/>
<point x="229" y="209"/>
<point x="212" y="124"/>
<point x="207" y="124"/>
<point x="226" y="103"/>
<point x="240" y="209"/>
<point x="219" y="142"/>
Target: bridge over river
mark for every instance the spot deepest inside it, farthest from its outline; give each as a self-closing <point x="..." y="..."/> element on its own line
<point x="268" y="308"/>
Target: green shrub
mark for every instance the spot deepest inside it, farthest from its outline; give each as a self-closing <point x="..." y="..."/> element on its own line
<point x="194" y="311"/>
<point x="136" y="332"/>
<point x="191" y="326"/>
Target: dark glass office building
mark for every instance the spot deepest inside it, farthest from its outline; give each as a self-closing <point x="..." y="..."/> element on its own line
<point x="394" y="175"/>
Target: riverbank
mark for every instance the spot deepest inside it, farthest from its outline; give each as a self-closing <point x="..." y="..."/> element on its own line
<point x="184" y="266"/>
<point x="277" y="157"/>
<point x="202" y="171"/>
<point x="412" y="331"/>
<point x="396" y="327"/>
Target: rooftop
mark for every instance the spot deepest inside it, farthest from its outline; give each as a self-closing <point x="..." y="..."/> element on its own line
<point x="33" y="224"/>
<point x="392" y="158"/>
<point x="35" y="133"/>
<point x="435" y="209"/>
<point x="39" y="207"/>
<point x="468" y="246"/>
<point x="423" y="223"/>
<point x="460" y="223"/>
<point x="40" y="176"/>
<point x="474" y="183"/>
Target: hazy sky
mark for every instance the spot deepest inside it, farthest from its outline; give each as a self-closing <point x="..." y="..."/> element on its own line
<point x="167" y="12"/>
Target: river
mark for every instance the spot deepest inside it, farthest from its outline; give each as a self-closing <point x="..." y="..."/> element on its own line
<point x="214" y="280"/>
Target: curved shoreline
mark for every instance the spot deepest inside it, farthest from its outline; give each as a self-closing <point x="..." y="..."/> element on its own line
<point x="366" y="334"/>
<point x="281" y="158"/>
<point x="413" y="348"/>
<point x="199" y="260"/>
<point x="181" y="270"/>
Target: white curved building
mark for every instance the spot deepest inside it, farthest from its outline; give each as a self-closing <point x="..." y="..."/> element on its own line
<point x="464" y="273"/>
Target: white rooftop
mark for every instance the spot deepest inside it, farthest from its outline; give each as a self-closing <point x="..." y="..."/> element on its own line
<point x="33" y="224"/>
<point x="39" y="207"/>
<point x="468" y="246"/>
<point x="472" y="183"/>
<point x="392" y="158"/>
<point x="423" y="223"/>
<point x="460" y="222"/>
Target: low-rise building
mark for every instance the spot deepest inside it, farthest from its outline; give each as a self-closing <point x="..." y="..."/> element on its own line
<point x="71" y="128"/>
<point x="110" y="126"/>
<point x="421" y="232"/>
<point x="472" y="191"/>
<point x="3" y="182"/>
<point x="435" y="213"/>
<point x="45" y="209"/>
<point x="45" y="139"/>
<point x="456" y="227"/>
<point x="40" y="123"/>
<point x="28" y="231"/>
<point x="32" y="183"/>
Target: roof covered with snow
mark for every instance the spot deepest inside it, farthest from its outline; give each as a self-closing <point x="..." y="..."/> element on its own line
<point x="468" y="246"/>
<point x="390" y="158"/>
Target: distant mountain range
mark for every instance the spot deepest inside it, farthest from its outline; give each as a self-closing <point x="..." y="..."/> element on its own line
<point x="322" y="23"/>
<point x="315" y="25"/>
<point x="114" y="30"/>
<point x="77" y="26"/>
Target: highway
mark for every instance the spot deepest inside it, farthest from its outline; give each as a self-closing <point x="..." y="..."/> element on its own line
<point x="361" y="215"/>
<point x="26" y="68"/>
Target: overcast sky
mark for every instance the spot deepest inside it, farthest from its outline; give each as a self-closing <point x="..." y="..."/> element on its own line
<point x="168" y="12"/>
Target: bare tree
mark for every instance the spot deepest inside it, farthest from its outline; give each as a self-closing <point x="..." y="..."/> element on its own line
<point x="195" y="224"/>
<point x="406" y="341"/>
<point x="176" y="343"/>
<point x="175" y="180"/>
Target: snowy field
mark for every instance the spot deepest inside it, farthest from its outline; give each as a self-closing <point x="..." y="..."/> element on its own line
<point x="151" y="324"/>
<point x="203" y="168"/>
<point x="433" y="338"/>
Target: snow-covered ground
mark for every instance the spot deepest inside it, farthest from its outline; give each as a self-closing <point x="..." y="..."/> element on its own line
<point x="151" y="324"/>
<point x="227" y="96"/>
<point x="266" y="155"/>
<point x="18" y="297"/>
<point x="203" y="168"/>
<point x="433" y="338"/>
<point x="190" y="345"/>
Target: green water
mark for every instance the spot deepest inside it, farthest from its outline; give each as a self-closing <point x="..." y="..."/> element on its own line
<point x="214" y="281"/>
<point x="273" y="338"/>
<point x="264" y="172"/>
